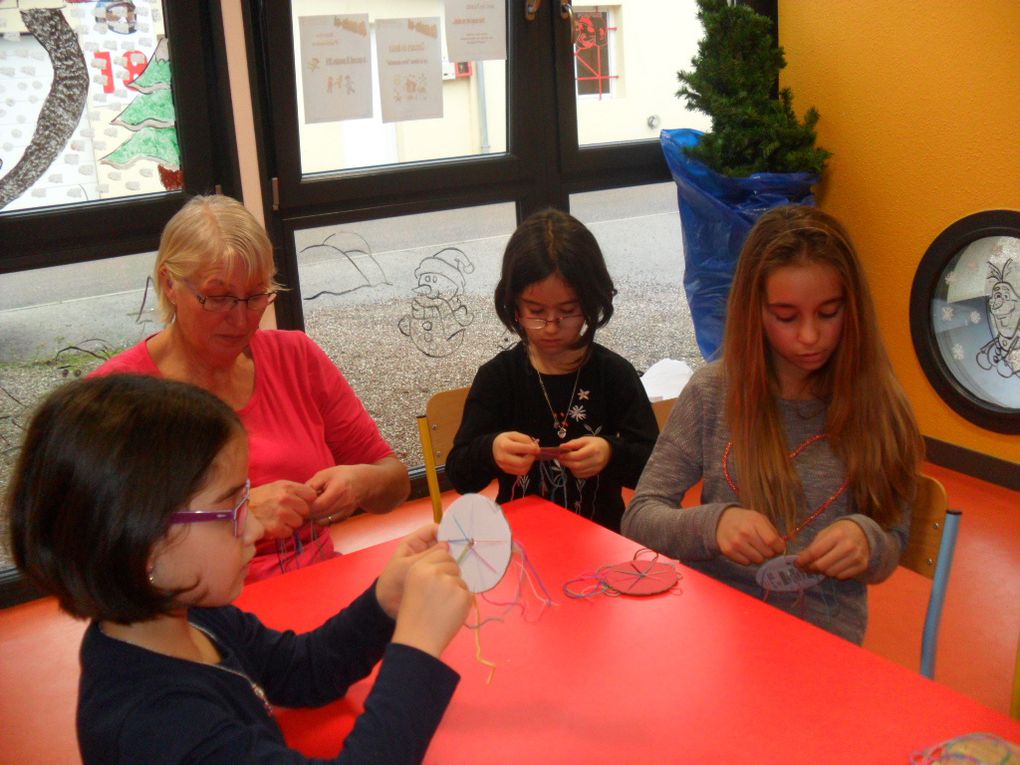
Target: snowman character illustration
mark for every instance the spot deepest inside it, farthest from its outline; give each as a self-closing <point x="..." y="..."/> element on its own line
<point x="438" y="317"/>
<point x="1002" y="352"/>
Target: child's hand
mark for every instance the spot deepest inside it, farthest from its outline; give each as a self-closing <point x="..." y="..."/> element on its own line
<point x="281" y="506"/>
<point x="514" y="452"/>
<point x="389" y="590"/>
<point x="840" y="551"/>
<point x="746" y="536"/>
<point x="436" y="602"/>
<point x="586" y="456"/>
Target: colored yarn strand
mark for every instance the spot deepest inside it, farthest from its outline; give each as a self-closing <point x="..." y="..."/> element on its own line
<point x="478" y="648"/>
<point x="526" y="572"/>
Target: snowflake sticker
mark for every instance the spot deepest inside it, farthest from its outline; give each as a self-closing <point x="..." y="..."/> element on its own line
<point x="948" y="312"/>
<point x="975" y="317"/>
<point x="951" y="278"/>
<point x="577" y="413"/>
<point x="958" y="353"/>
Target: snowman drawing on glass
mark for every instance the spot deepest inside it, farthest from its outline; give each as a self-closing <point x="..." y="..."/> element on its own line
<point x="438" y="317"/>
<point x="1002" y="352"/>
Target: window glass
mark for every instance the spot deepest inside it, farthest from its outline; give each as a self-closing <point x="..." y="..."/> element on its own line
<point x="86" y="106"/>
<point x="638" y="229"/>
<point x="626" y="56"/>
<point x="404" y="307"/>
<point x="60" y="323"/>
<point x="471" y="116"/>
<point x="975" y="316"/>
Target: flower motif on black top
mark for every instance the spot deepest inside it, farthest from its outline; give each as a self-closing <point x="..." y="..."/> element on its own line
<point x="577" y="413"/>
<point x="582" y="394"/>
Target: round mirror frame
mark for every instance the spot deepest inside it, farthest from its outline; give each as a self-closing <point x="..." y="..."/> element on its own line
<point x="943" y="249"/>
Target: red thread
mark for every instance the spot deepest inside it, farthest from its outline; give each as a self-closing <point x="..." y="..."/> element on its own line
<point x="793" y="455"/>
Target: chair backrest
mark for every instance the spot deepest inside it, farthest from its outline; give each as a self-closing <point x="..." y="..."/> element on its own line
<point x="933" y="531"/>
<point x="444" y="412"/>
<point x="927" y="526"/>
<point x="437" y="428"/>
<point x="662" y="408"/>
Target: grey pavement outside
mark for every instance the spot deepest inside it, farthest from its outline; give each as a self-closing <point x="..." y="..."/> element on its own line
<point x="92" y="308"/>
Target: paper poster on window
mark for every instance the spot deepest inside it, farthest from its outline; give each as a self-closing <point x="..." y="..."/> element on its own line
<point x="410" y="68"/>
<point x="475" y="29"/>
<point x="336" y="69"/>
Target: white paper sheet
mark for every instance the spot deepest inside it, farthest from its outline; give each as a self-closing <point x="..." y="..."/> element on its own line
<point x="336" y="68"/>
<point x="410" y="68"/>
<point x="475" y="30"/>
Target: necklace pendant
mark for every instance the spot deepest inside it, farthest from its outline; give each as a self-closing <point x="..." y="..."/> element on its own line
<point x="562" y="432"/>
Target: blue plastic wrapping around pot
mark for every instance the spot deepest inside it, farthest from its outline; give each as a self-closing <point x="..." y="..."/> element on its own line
<point x="716" y="214"/>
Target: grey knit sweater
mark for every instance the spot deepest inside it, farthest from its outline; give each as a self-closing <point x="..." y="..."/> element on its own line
<point x="690" y="449"/>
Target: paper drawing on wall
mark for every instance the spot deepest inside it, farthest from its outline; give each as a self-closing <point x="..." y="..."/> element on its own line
<point x="151" y="119"/>
<point x="438" y="317"/>
<point x="1002" y="352"/>
<point x="352" y="264"/>
<point x="63" y="106"/>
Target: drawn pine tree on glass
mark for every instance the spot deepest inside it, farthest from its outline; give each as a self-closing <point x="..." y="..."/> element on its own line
<point x="151" y="117"/>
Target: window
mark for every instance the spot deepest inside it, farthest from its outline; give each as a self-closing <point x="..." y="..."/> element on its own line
<point x="101" y="126"/>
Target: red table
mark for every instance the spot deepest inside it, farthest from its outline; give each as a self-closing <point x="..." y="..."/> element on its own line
<point x="709" y="675"/>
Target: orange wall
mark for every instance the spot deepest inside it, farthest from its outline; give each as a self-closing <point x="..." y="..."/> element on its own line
<point x="920" y="105"/>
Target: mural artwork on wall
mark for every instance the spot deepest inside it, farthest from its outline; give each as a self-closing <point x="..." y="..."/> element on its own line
<point x="86" y="111"/>
<point x="439" y="318"/>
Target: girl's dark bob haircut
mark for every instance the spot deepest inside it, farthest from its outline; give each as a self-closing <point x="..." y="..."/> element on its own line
<point x="550" y="242"/>
<point x="105" y="463"/>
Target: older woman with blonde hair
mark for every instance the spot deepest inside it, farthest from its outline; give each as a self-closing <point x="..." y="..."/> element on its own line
<point x="316" y="455"/>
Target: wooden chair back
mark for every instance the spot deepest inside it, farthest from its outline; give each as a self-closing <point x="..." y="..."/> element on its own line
<point x="927" y="525"/>
<point x="662" y="408"/>
<point x="444" y="412"/>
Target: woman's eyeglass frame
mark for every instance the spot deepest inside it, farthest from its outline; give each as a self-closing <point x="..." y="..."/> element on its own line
<point x="238" y="514"/>
<point x="227" y="303"/>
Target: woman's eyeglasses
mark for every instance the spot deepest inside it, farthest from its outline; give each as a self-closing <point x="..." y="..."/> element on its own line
<point x="537" y="322"/>
<point x="238" y="513"/>
<point x="224" y="303"/>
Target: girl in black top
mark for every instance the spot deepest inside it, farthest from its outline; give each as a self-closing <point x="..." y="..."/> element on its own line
<point x="558" y="414"/>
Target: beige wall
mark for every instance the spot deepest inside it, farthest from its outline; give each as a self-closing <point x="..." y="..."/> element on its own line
<point x="920" y="103"/>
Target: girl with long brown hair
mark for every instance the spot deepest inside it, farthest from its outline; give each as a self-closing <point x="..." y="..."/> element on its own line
<point x="807" y="446"/>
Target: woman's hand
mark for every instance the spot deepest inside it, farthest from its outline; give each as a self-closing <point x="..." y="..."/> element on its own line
<point x="586" y="456"/>
<point x="335" y="494"/>
<point x="746" y="536"/>
<point x="514" y="452"/>
<point x="435" y="603"/>
<point x="840" y="551"/>
<point x="389" y="590"/>
<point x="281" y="506"/>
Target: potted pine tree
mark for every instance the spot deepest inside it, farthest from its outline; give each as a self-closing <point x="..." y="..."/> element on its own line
<point x="757" y="155"/>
